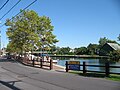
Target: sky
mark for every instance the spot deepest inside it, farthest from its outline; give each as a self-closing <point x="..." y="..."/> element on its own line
<point x="76" y="23"/>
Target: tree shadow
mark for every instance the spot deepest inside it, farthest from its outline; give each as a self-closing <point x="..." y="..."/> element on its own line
<point x="8" y="60"/>
<point x="10" y="84"/>
<point x="98" y="75"/>
<point x="90" y="74"/>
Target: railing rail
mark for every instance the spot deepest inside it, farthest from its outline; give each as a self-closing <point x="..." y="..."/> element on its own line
<point x="107" y="67"/>
<point x="40" y="63"/>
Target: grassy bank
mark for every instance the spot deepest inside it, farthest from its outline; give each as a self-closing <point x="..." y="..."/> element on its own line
<point x="113" y="77"/>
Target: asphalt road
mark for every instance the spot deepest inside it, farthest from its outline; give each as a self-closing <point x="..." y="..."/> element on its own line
<point x="14" y="76"/>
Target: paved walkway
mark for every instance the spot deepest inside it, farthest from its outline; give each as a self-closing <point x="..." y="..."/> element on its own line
<point x="15" y="76"/>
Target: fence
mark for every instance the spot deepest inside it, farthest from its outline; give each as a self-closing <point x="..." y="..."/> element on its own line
<point x="40" y="63"/>
<point x="84" y="66"/>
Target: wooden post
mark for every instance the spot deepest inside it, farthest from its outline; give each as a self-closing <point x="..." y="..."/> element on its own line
<point x="107" y="69"/>
<point x="51" y="64"/>
<point x="84" y="68"/>
<point x="79" y="66"/>
<point x="27" y="60"/>
<point x="33" y="62"/>
<point x="66" y="66"/>
<point x="41" y="63"/>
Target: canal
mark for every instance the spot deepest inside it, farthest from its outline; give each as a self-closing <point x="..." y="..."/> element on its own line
<point x="62" y="61"/>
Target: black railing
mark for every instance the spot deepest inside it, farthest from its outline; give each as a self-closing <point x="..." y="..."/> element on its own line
<point x="40" y="63"/>
<point x="84" y="69"/>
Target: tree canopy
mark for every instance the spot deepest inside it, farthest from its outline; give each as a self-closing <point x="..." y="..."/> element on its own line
<point x="81" y="51"/>
<point x="29" y="31"/>
<point x="104" y="40"/>
<point x="93" y="49"/>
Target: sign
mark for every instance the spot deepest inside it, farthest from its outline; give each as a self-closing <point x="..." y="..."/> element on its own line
<point x="73" y="62"/>
<point x="74" y="65"/>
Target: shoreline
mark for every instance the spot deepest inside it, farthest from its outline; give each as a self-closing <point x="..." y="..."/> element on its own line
<point x="81" y="56"/>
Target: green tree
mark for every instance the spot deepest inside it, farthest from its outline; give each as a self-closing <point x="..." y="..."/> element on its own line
<point x="53" y="49"/>
<point x="81" y="51"/>
<point x="104" y="40"/>
<point x="65" y="50"/>
<point x="115" y="55"/>
<point x="92" y="49"/>
<point x="12" y="49"/>
<point x="57" y="50"/>
<point x="28" y="31"/>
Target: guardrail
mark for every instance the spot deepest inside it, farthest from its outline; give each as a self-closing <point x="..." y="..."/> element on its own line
<point x="74" y="66"/>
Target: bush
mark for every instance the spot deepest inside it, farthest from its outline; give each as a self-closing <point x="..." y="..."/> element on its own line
<point x="115" y="55"/>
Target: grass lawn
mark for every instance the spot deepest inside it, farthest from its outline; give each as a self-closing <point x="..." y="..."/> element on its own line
<point x="113" y="77"/>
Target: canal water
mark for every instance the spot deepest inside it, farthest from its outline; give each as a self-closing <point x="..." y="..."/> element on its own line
<point x="62" y="61"/>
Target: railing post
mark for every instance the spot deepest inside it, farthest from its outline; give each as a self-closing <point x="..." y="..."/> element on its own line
<point x="79" y="66"/>
<point x="66" y="66"/>
<point x="41" y="63"/>
<point x="27" y="60"/>
<point x="33" y="62"/>
<point x="84" y="68"/>
<point x="51" y="64"/>
<point x="107" y="69"/>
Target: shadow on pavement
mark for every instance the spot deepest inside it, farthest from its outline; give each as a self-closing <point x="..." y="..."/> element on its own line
<point x="7" y="60"/>
<point x="10" y="84"/>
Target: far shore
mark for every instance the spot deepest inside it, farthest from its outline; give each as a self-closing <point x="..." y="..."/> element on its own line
<point x="82" y="56"/>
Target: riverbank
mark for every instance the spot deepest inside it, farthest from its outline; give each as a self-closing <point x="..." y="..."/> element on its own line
<point x="81" y="56"/>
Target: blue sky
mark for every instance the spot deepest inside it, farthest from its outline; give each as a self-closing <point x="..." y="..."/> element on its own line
<point x="76" y="22"/>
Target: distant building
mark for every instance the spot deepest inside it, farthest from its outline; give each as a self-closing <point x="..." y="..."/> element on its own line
<point x="108" y="47"/>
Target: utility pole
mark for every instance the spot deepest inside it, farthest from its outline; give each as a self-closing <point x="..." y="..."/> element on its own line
<point x="0" y="39"/>
<point x="0" y="45"/>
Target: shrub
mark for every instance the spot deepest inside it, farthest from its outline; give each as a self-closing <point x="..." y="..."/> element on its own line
<point x="115" y="55"/>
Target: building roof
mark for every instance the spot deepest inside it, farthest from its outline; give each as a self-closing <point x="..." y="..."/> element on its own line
<point x="114" y="46"/>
